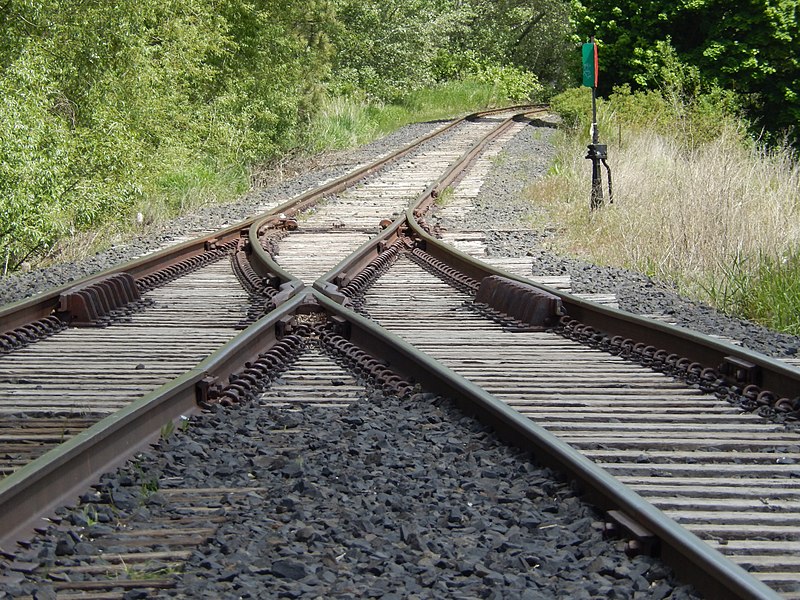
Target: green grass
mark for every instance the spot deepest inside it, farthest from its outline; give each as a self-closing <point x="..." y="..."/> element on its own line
<point x="765" y="289"/>
<point x="186" y="182"/>
<point x="182" y="184"/>
<point x="348" y="122"/>
<point x="699" y="207"/>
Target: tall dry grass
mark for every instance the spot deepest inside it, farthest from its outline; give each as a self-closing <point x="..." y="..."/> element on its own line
<point x="720" y="220"/>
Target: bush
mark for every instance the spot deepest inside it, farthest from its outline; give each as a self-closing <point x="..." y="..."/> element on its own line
<point x="574" y="106"/>
<point x="511" y="82"/>
<point x="693" y="119"/>
<point x="104" y="104"/>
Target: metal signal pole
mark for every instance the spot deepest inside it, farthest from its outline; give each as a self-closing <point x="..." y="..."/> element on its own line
<point x="597" y="152"/>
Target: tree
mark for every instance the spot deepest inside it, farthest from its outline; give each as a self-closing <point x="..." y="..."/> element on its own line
<point x="749" y="47"/>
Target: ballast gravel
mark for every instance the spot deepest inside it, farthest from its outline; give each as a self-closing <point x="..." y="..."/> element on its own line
<point x="388" y="498"/>
<point x="502" y="211"/>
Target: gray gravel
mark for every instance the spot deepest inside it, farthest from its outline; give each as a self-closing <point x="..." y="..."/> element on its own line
<point x="392" y="498"/>
<point x="389" y="498"/>
<point x="330" y="166"/>
<point x="503" y="213"/>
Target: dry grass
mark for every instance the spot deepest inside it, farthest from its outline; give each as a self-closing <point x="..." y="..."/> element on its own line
<point x="708" y="219"/>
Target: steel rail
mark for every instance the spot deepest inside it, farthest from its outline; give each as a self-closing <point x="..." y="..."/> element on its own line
<point x="22" y="312"/>
<point x="710" y="570"/>
<point x="77" y="462"/>
<point x="750" y="366"/>
<point x="59" y="476"/>
<point x="260" y="258"/>
<point x="694" y="560"/>
<point x="56" y="477"/>
<point x="340" y="275"/>
<point x="768" y="373"/>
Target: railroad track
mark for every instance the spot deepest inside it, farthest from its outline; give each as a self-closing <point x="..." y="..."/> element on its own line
<point x="729" y="477"/>
<point x="294" y="245"/>
<point x="63" y="383"/>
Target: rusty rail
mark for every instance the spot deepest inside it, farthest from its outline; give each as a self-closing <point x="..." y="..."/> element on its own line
<point x="18" y="315"/>
<point x="32" y="492"/>
<point x="54" y="478"/>
<point x="692" y="558"/>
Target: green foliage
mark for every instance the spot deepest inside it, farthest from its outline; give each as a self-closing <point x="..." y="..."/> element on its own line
<point x="344" y="122"/>
<point x="537" y="36"/>
<point x="533" y="36"/>
<point x="749" y="49"/>
<point x="694" y="120"/>
<point x="167" y="429"/>
<point x="697" y="203"/>
<point x="386" y="47"/>
<point x="389" y="48"/>
<point x="762" y="288"/>
<point x="574" y="106"/>
<point x="102" y="104"/>
<point x="511" y="82"/>
<point x="108" y="109"/>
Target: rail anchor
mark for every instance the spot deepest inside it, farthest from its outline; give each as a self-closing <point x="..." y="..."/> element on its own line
<point x="641" y="541"/>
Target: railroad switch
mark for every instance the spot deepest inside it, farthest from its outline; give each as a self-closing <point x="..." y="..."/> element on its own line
<point x="598" y="153"/>
<point x="641" y="541"/>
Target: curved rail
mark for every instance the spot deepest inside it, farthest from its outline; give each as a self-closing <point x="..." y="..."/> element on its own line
<point x="262" y="261"/>
<point x="53" y="478"/>
<point x="709" y="569"/>
<point x="738" y="365"/>
<point x="23" y="312"/>
<point x="695" y="560"/>
<point x="25" y="495"/>
<point x="61" y="474"/>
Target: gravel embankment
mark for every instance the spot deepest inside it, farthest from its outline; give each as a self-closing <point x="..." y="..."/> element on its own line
<point x="500" y="206"/>
<point x="389" y="498"/>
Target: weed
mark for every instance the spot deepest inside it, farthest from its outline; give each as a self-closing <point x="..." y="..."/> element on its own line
<point x="185" y="423"/>
<point x="148" y="488"/>
<point x="149" y="483"/>
<point x="147" y="570"/>
<point x="167" y="429"/>
<point x="444" y="196"/>
<point x="89" y="513"/>
<point x="701" y="208"/>
<point x="345" y="122"/>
